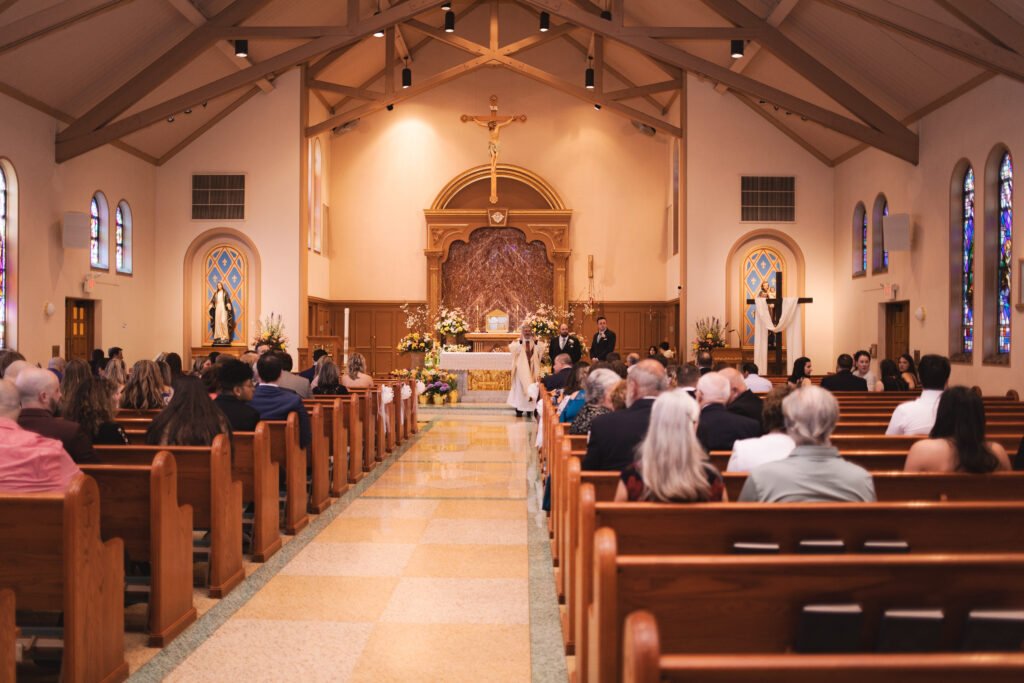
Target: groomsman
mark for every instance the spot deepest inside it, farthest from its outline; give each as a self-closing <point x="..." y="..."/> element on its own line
<point x="563" y="343"/>
<point x="604" y="341"/>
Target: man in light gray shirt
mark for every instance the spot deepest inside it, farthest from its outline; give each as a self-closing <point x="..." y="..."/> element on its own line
<point x="300" y="385"/>
<point x="814" y="471"/>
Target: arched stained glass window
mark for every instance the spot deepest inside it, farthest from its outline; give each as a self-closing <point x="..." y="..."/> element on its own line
<point x="98" y="256"/>
<point x="1004" y="269"/>
<point x="123" y="238"/>
<point x="864" y="243"/>
<point x="759" y="268"/>
<point x="885" y="252"/>
<point x="3" y="259"/>
<point x="967" y="265"/>
<point x="860" y="240"/>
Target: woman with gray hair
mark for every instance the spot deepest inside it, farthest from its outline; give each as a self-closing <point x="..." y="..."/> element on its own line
<point x="814" y="471"/>
<point x="672" y="466"/>
<point x="600" y="383"/>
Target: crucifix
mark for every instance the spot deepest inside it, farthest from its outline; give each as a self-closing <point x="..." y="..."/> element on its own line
<point x="775" y="310"/>
<point x="494" y="123"/>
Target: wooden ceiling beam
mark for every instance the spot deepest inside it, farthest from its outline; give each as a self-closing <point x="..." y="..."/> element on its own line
<point x="493" y="26"/>
<point x="325" y="61"/>
<point x="51" y="19"/>
<point x="160" y="70"/>
<point x="753" y="49"/>
<point x="536" y="39"/>
<point x="814" y="71"/>
<point x="358" y="93"/>
<point x="786" y="130"/>
<point x="213" y="121"/>
<point x="448" y="38"/>
<point x="962" y="44"/>
<point x="902" y="145"/>
<point x="693" y="32"/>
<point x="72" y="146"/>
<point x="641" y="90"/>
<point x="990" y="20"/>
<point x="6" y="5"/>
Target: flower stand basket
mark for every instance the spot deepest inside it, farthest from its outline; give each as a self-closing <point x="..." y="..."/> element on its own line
<point x="437" y="399"/>
<point x="453" y="396"/>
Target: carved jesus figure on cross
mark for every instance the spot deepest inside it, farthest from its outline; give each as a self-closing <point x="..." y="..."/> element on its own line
<point x="494" y="123"/>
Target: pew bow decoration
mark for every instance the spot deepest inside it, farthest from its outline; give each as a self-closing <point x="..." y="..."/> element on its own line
<point x="387" y="394"/>
<point x="406" y="392"/>
<point x="420" y="387"/>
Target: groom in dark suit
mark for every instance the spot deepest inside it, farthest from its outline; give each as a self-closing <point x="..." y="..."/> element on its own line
<point x="563" y="343"/>
<point x="274" y="403"/>
<point x="604" y="341"/>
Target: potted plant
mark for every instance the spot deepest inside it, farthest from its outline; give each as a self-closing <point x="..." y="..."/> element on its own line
<point x="416" y="345"/>
<point x="451" y="322"/>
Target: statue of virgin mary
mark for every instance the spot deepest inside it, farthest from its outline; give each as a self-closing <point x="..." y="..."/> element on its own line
<point x="222" y="316"/>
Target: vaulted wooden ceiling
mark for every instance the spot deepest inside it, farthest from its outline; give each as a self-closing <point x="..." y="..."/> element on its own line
<point x="151" y="76"/>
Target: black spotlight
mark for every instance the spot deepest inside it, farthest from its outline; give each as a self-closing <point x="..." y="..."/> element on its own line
<point x="449" y="22"/>
<point x="391" y="107"/>
<point x="588" y="79"/>
<point x="379" y="33"/>
<point x="597" y="107"/>
<point x="545" y="22"/>
<point x="446" y="6"/>
<point x="406" y="77"/>
<point x="242" y="48"/>
<point x="606" y="15"/>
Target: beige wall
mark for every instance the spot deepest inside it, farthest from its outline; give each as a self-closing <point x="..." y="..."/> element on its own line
<point x="48" y="272"/>
<point x="728" y="141"/>
<point x="391" y="167"/>
<point x="967" y="128"/>
<point x="261" y="140"/>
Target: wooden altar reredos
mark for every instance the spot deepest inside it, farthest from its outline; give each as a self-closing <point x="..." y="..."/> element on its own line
<point x="526" y="202"/>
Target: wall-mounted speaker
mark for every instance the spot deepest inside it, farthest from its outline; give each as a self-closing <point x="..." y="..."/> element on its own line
<point x="75" y="230"/>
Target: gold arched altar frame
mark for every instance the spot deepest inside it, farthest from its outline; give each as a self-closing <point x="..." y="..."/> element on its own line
<point x="550" y="226"/>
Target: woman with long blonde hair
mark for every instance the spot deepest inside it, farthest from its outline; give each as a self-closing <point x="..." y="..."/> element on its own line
<point x="116" y="371"/>
<point x="145" y="387"/>
<point x="356" y="377"/>
<point x="671" y="465"/>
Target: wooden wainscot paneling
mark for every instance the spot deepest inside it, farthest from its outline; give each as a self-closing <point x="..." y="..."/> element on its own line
<point x="374" y="330"/>
<point x="637" y="324"/>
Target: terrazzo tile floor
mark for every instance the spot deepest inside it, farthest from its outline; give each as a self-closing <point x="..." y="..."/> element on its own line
<point x="427" y="576"/>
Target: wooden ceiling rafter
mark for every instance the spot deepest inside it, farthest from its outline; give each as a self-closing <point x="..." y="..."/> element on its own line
<point x="775" y="18"/>
<point x="989" y="20"/>
<point x="213" y="121"/>
<point x="786" y="130"/>
<point x="46" y="21"/>
<point x="903" y="145"/>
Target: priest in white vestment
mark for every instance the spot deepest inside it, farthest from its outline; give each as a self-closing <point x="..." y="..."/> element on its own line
<point x="526" y="355"/>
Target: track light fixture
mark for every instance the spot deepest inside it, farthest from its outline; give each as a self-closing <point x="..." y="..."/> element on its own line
<point x="379" y="33"/>
<point x="545" y="22"/>
<point x="188" y="111"/>
<point x="597" y="107"/>
<point x="446" y="6"/>
<point x="589" y="75"/>
<point x="449" y="22"/>
<point x="736" y="48"/>
<point x="606" y="15"/>
<point x="391" y="107"/>
<point x="406" y="75"/>
<point x="242" y="48"/>
<point x="170" y="119"/>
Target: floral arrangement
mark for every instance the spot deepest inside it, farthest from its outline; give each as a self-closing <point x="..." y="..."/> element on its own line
<point x="416" y="342"/>
<point x="426" y="375"/>
<point x="451" y="321"/>
<point x="417" y="318"/>
<point x="270" y="331"/>
<point x="543" y="322"/>
<point x="441" y="388"/>
<point x="710" y="334"/>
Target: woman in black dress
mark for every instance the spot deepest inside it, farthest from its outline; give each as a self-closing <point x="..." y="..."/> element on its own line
<point x="94" y="406"/>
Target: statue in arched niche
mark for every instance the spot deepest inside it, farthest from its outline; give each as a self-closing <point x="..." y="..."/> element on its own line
<point x="222" y="316"/>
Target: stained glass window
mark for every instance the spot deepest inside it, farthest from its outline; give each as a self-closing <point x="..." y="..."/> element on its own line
<point x="759" y="267"/>
<point x="1004" y="269"/>
<point x="885" y="252"/>
<point x="967" y="262"/>
<point x="123" y="238"/>
<point x="3" y="259"/>
<point x="864" y="243"/>
<point x="94" y="233"/>
<point x="119" y="238"/>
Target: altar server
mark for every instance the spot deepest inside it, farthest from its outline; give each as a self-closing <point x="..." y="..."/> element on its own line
<point x="527" y="353"/>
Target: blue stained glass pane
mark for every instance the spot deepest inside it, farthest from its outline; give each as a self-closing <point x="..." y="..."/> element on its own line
<point x="1005" y="269"/>
<point x="227" y="265"/>
<point x="885" y="252"/>
<point x="967" y="279"/>
<point x="759" y="267"/>
<point x="864" y="244"/>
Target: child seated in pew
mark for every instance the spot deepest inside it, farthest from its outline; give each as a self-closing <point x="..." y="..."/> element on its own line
<point x="957" y="441"/>
<point x="190" y="419"/>
<point x="671" y="466"/>
<point x="94" y="406"/>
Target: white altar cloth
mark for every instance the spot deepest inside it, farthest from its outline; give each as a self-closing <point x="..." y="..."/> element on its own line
<point x="456" y="360"/>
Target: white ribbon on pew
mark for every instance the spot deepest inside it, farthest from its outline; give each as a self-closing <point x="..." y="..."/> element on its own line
<point x="420" y="387"/>
<point x="406" y="392"/>
<point x="387" y="394"/>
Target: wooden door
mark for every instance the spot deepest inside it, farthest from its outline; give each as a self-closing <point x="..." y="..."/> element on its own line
<point x="897" y="329"/>
<point x="375" y="331"/>
<point x="79" y="330"/>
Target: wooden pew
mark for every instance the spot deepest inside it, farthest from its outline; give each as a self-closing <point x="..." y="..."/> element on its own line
<point x="751" y="604"/>
<point x="373" y="448"/>
<point x="52" y="557"/>
<point x="286" y="451"/>
<point x="205" y="482"/>
<point x="337" y="440"/>
<point x="997" y="426"/>
<point x="253" y="466"/>
<point x="644" y="661"/>
<point x="140" y="506"/>
<point x="319" y="462"/>
<point x="8" y="635"/>
<point x="351" y="407"/>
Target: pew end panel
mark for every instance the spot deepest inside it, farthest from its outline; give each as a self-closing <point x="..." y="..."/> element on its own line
<point x="285" y="450"/>
<point x="8" y="635"/>
<point x="259" y="475"/>
<point x="320" y="454"/>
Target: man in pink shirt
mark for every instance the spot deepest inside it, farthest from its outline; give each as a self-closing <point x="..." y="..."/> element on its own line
<point x="29" y="463"/>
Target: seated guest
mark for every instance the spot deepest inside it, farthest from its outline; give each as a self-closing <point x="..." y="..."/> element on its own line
<point x="704" y="362"/>
<point x="613" y="357"/>
<point x="329" y="379"/>
<point x="99" y="359"/>
<point x="862" y="369"/>
<point x="94" y="407"/>
<point x="116" y="372"/>
<point x="234" y="379"/>
<point x="671" y="466"/>
<point x="801" y="376"/>
<point x="774" y="445"/>
<point x="57" y="365"/>
<point x="561" y="369"/>
<point x="600" y="383"/>
<point x="190" y="419"/>
<point x="173" y="361"/>
<point x="574" y="395"/>
<point x="918" y="416"/>
<point x="957" y="441"/>
<point x="115" y="352"/>
<point x="742" y="400"/>
<point x="687" y="377"/>
<point x="356" y="377"/>
<point x="310" y="374"/>
<point x="29" y="463"/>
<point x="214" y="355"/>
<point x="619" y="368"/>
<point x="666" y="350"/>
<point x="200" y="363"/>
<point x="274" y="403"/>
<point x="8" y="356"/>
<point x="754" y="381"/>
<point x="891" y="379"/>
<point x="300" y="385"/>
<point x="908" y="371"/>
<point x="632" y="359"/>
<point x="167" y="391"/>
<point x="814" y="471"/>
<point x="75" y="374"/>
<point x="144" y="389"/>
<point x="15" y="369"/>
<point x="613" y="437"/>
<point x="844" y="379"/>
<point x="618" y="397"/>
<point x="40" y="396"/>
<point x="718" y="428"/>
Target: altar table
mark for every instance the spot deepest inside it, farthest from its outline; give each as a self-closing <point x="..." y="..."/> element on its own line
<point x="482" y="377"/>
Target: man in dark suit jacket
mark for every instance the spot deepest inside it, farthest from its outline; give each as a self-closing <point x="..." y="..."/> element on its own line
<point x="236" y="390"/>
<point x="603" y="343"/>
<point x="274" y="403"/>
<point x="39" y="392"/>
<point x="563" y="343"/>
<point x="562" y="367"/>
<point x="310" y="374"/>
<point x="742" y="401"/>
<point x="718" y="428"/>
<point x="844" y="379"/>
<point x="614" y="436"/>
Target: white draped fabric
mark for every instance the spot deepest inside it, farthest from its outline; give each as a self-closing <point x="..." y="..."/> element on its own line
<point x="790" y="322"/>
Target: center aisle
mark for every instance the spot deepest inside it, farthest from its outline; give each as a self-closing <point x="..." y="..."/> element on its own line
<point x="425" y="576"/>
